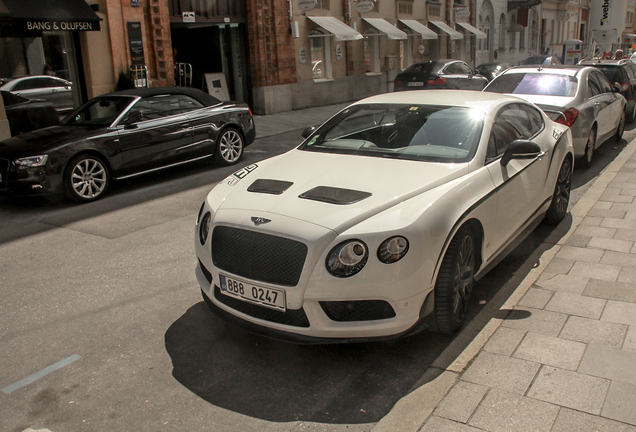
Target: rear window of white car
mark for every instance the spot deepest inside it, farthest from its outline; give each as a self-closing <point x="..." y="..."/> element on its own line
<point x="547" y="84"/>
<point x="415" y="132"/>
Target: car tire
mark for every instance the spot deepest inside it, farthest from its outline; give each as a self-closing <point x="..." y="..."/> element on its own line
<point x="86" y="178"/>
<point x="632" y="113"/>
<point x="586" y="160"/>
<point x="229" y="148"/>
<point x="561" y="196"/>
<point x="620" y="128"/>
<point x="455" y="282"/>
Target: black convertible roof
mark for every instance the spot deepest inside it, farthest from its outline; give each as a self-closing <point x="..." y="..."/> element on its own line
<point x="199" y="95"/>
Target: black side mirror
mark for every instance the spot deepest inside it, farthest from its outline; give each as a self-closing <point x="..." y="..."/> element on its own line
<point x="133" y="117"/>
<point x="616" y="88"/>
<point x="521" y="149"/>
<point x="308" y="131"/>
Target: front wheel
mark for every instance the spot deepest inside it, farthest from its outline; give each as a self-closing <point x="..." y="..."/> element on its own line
<point x="229" y="148"/>
<point x="561" y="196"/>
<point x="455" y="281"/>
<point x="621" y="128"/>
<point x="86" y="178"/>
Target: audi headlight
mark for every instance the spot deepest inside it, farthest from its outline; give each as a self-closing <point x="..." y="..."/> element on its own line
<point x="204" y="227"/>
<point x="29" y="162"/>
<point x="348" y="258"/>
<point x="393" y="249"/>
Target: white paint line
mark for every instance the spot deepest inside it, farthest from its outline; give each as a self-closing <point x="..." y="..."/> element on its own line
<point x="44" y="372"/>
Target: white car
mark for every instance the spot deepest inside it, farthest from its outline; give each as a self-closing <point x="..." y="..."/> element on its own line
<point x="381" y="220"/>
<point x="53" y="89"/>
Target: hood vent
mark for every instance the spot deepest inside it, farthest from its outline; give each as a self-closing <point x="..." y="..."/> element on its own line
<point x="273" y="187"/>
<point x="334" y="195"/>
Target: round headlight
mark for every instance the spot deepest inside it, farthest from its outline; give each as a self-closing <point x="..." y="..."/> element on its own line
<point x="393" y="249"/>
<point x="347" y="259"/>
<point x="204" y="227"/>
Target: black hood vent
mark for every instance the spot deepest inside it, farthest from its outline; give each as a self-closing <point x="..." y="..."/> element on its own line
<point x="274" y="187"/>
<point x="333" y="195"/>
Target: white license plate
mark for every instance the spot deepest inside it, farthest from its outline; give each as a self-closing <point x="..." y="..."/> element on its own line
<point x="268" y="297"/>
<point x="415" y="84"/>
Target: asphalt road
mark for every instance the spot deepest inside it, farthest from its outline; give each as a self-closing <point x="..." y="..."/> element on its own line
<point x="102" y="316"/>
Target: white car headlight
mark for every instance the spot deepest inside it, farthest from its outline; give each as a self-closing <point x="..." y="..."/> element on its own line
<point x="393" y="249"/>
<point x="347" y="258"/>
<point x="33" y="161"/>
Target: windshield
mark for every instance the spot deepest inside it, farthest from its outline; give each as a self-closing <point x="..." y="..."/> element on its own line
<point x="534" y="84"/>
<point x="414" y="132"/>
<point x="427" y="68"/>
<point x="101" y="111"/>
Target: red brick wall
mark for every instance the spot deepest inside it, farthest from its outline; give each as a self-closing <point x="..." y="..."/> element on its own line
<point x="272" y="58"/>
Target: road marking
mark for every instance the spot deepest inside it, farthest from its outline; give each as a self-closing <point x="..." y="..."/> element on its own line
<point x="44" y="372"/>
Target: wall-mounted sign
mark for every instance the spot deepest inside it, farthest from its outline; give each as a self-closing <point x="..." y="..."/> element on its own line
<point x="307" y="5"/>
<point x="188" y="17"/>
<point x="136" y="43"/>
<point x="421" y="49"/>
<point x="365" y="6"/>
<point x="134" y="3"/>
<point x="338" y="52"/>
<point x="302" y="55"/>
<point x="462" y="13"/>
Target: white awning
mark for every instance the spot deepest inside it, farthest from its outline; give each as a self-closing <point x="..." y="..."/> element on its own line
<point x="384" y="26"/>
<point x="340" y="30"/>
<point x="449" y="31"/>
<point x="480" y="34"/>
<point x="420" y="28"/>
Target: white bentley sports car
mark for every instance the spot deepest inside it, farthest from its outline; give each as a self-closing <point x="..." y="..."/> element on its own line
<point x="379" y="223"/>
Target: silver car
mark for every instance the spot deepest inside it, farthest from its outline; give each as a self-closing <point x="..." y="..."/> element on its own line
<point x="579" y="97"/>
<point x="53" y="89"/>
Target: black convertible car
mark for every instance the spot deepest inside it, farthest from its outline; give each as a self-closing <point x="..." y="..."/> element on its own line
<point x="123" y="134"/>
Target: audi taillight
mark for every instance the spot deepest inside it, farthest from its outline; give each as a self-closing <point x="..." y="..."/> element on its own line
<point x="569" y="117"/>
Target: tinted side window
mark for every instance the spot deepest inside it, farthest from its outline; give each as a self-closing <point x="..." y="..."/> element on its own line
<point x="536" y="119"/>
<point x="504" y="132"/>
<point x="50" y="82"/>
<point x="454" y="68"/>
<point x="155" y="107"/>
<point x="188" y="103"/>
<point x="606" y="87"/>
<point x="631" y="71"/>
<point x="465" y="69"/>
<point x="25" y="85"/>
<point x="593" y="86"/>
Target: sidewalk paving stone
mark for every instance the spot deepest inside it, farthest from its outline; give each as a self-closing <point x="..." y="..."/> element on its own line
<point x="619" y="259"/>
<point x="597" y="271"/>
<point x="620" y="403"/>
<point x="460" y="403"/>
<point x="630" y="340"/>
<point x="538" y="321"/>
<point x="592" y="331"/>
<point x="562" y="282"/>
<point x="536" y="298"/>
<point x="595" y="231"/>
<point x="604" y="362"/>
<point x="620" y="312"/>
<point x="502" y="372"/>
<point x="507" y="412"/>
<point x="560" y="266"/>
<point x="504" y="341"/>
<point x="621" y="223"/>
<point x="611" y="244"/>
<point x="438" y="424"/>
<point x="627" y="275"/>
<point x="570" y="420"/>
<point x="573" y="304"/>
<point x="580" y="254"/>
<point x="549" y="350"/>
<point x="570" y="389"/>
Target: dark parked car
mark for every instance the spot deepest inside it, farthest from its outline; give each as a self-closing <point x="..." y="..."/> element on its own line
<point x="622" y="72"/>
<point x="545" y="60"/>
<point x="439" y="74"/>
<point x="122" y="134"/>
<point x="25" y="115"/>
<point x="491" y="70"/>
<point x="55" y="90"/>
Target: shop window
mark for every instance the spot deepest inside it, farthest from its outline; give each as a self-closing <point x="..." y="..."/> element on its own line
<point x="434" y="11"/>
<point x="324" y="4"/>
<point x="406" y="53"/>
<point x="405" y="8"/>
<point x="372" y="51"/>
<point x="320" y="60"/>
<point x="522" y="39"/>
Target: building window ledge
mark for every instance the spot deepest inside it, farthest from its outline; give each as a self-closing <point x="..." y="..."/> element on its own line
<point x="373" y="73"/>
<point x="322" y="80"/>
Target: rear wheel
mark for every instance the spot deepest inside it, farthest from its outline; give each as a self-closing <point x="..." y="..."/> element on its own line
<point x="455" y="282"/>
<point x="229" y="147"/>
<point x="621" y="128"/>
<point x="632" y="113"/>
<point x="586" y="160"/>
<point x="86" y="178"/>
<point x="561" y="196"/>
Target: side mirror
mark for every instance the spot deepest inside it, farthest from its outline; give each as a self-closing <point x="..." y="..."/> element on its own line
<point x="616" y="88"/>
<point x="521" y="149"/>
<point x="133" y="117"/>
<point x="308" y="131"/>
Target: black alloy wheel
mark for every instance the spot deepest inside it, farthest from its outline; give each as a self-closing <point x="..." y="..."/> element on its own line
<point x="620" y="128"/>
<point x="561" y="197"/>
<point x="86" y="178"/>
<point x="229" y="147"/>
<point x="455" y="282"/>
<point x="586" y="160"/>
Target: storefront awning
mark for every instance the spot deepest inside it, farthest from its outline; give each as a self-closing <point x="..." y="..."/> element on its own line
<point x="480" y="34"/>
<point x="386" y="27"/>
<point x="340" y="30"/>
<point x="446" y="29"/>
<point x="34" y="16"/>
<point x="420" y="28"/>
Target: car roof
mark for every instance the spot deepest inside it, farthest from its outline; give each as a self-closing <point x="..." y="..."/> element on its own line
<point x="548" y="69"/>
<point x="591" y="62"/>
<point x="201" y="96"/>
<point x="466" y="98"/>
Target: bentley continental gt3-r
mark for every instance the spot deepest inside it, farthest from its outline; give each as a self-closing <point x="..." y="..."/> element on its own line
<point x="379" y="223"/>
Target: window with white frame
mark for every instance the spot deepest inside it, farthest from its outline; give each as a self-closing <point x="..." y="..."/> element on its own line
<point x="372" y="51"/>
<point x="319" y="51"/>
<point x="323" y="4"/>
<point x="502" y="32"/>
